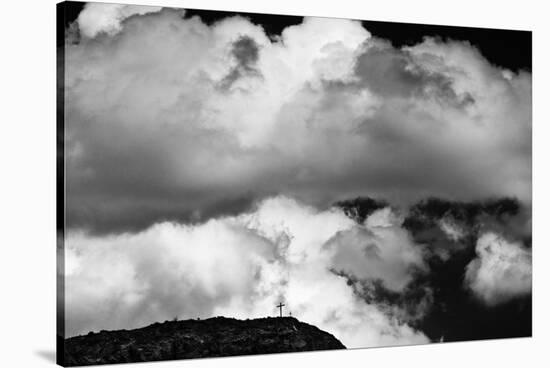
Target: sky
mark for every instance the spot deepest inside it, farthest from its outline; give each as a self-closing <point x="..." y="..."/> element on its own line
<point x="218" y="163"/>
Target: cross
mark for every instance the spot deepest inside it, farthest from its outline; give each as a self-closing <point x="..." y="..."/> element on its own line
<point x="280" y="306"/>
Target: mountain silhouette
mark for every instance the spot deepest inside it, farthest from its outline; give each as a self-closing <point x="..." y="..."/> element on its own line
<point x="214" y="337"/>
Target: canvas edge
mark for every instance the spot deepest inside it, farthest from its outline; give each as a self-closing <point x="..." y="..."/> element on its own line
<point x="60" y="182"/>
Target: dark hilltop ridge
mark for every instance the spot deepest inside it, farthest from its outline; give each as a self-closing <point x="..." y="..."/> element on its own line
<point x="214" y="337"/>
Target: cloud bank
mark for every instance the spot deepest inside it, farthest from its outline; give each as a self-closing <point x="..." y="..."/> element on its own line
<point x="172" y="119"/>
<point x="241" y="266"/>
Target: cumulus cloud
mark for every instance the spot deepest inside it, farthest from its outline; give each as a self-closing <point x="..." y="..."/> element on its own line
<point x="172" y="119"/>
<point x="238" y="266"/>
<point x="502" y="270"/>
<point x="102" y="17"/>
<point x="381" y="250"/>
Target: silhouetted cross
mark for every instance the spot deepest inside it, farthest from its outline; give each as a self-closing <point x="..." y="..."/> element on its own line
<point x="280" y="306"/>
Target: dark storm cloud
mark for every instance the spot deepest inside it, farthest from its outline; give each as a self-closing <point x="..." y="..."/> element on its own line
<point x="133" y="212"/>
<point x="391" y="72"/>
<point x="246" y="53"/>
<point x="477" y="283"/>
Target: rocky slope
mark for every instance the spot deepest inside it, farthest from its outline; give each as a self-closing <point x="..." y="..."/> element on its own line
<point x="214" y="337"/>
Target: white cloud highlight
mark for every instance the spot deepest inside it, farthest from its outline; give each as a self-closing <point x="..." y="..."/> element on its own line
<point x="501" y="271"/>
<point x="103" y="17"/>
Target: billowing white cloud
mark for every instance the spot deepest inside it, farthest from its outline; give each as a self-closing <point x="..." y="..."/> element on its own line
<point x="322" y="113"/>
<point x="502" y="270"/>
<point x="103" y="17"/>
<point x="238" y="266"/>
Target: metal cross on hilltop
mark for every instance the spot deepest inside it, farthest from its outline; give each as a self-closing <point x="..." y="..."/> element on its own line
<point x="280" y="306"/>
